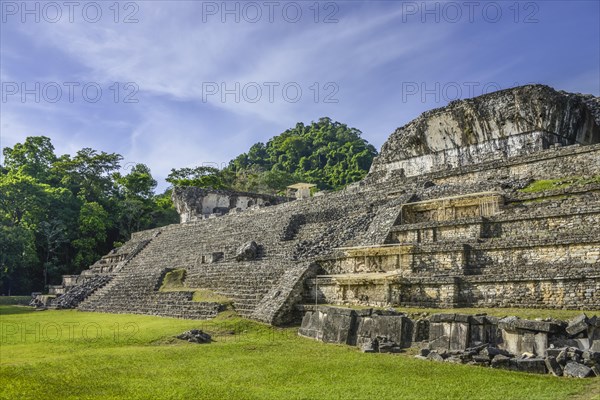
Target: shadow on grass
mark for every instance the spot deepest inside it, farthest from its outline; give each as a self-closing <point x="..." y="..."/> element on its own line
<point x="12" y="310"/>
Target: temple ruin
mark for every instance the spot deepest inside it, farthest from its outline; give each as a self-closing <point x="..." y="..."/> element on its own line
<point x="440" y="221"/>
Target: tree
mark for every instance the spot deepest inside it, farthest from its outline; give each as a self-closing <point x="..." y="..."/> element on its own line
<point x="17" y="255"/>
<point x="327" y="153"/>
<point x="207" y="177"/>
<point x="276" y="181"/>
<point x="92" y="228"/>
<point x="60" y="214"/>
<point x="22" y="198"/>
<point x="33" y="158"/>
<point x="257" y="155"/>
<point x="164" y="212"/>
<point x="54" y="235"/>
<point x="138" y="183"/>
<point x="89" y="174"/>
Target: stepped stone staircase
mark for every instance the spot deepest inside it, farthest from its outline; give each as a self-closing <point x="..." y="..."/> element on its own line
<point x="134" y="288"/>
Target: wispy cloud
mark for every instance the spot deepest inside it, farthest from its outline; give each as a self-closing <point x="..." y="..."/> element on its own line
<point x="368" y="55"/>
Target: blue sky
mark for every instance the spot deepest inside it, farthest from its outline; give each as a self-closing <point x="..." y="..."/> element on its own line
<point x="209" y="79"/>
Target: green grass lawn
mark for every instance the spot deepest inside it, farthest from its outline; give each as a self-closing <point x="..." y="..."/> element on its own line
<point x="67" y="354"/>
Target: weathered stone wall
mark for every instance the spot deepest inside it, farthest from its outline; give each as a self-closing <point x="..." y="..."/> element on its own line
<point x="495" y="149"/>
<point x="379" y="291"/>
<point x="488" y="127"/>
<point x="549" y="164"/>
<point x="519" y="259"/>
<point x="582" y="292"/>
<point x="355" y="327"/>
<point x="193" y="203"/>
<point x="570" y="293"/>
<point x="535" y="247"/>
<point x="429" y="233"/>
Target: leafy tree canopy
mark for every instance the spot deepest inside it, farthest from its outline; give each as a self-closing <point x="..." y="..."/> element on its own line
<point x="326" y="153"/>
<point x="60" y="214"/>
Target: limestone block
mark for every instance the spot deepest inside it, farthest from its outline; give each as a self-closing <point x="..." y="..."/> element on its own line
<point x="577" y="370"/>
<point x="513" y="323"/>
<point x="530" y="365"/>
<point x="392" y="327"/>
<point x="329" y="324"/>
<point x="459" y="336"/>
<point x="577" y="325"/>
<point x="511" y="342"/>
<point x="553" y="366"/>
<point x="500" y="361"/>
<point x="434" y="356"/>
<point x="442" y="343"/>
<point x="247" y="252"/>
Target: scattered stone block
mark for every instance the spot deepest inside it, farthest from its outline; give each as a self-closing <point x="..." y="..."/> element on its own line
<point x="481" y="360"/>
<point x="593" y="332"/>
<point x="564" y="342"/>
<point x="555" y="351"/>
<point x="514" y="323"/>
<point x="553" y="366"/>
<point x="441" y="343"/>
<point x="195" y="336"/>
<point x="370" y="346"/>
<point x="562" y="357"/>
<point x="435" y="356"/>
<point x="577" y="370"/>
<point x="491" y="352"/>
<point x="582" y="343"/>
<point x="388" y="346"/>
<point x="247" y="252"/>
<point x="530" y="365"/>
<point x="442" y="318"/>
<point x="477" y="348"/>
<point x="577" y="325"/>
<point x="393" y="326"/>
<point x="591" y="358"/>
<point x="500" y="361"/>
<point x="330" y="325"/>
<point x="574" y="354"/>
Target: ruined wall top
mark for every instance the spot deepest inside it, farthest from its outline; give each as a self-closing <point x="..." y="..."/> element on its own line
<point x="194" y="203"/>
<point x="529" y="117"/>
